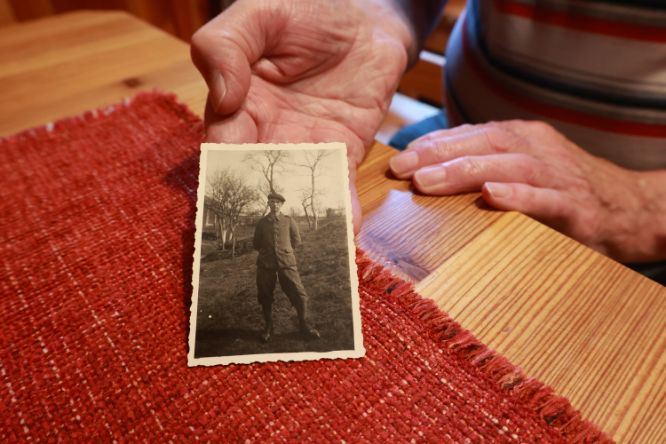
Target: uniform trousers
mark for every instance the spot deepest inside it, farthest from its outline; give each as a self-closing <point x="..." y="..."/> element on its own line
<point x="290" y="282"/>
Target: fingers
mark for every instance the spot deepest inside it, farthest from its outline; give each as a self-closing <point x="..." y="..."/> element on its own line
<point x="469" y="173"/>
<point x="544" y="204"/>
<point x="442" y="146"/>
<point x="354" y="157"/>
<point x="356" y="204"/>
<point x="223" y="51"/>
<point x="236" y="128"/>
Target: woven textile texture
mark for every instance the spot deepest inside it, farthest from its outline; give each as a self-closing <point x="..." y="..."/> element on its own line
<point x="96" y="259"/>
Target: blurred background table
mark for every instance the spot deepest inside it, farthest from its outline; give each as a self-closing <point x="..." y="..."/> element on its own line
<point x="586" y="325"/>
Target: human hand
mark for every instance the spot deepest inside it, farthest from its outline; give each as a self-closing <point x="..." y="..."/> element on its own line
<point x="532" y="168"/>
<point x="302" y="71"/>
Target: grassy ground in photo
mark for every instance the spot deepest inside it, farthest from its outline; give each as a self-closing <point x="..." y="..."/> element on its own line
<point x="229" y="317"/>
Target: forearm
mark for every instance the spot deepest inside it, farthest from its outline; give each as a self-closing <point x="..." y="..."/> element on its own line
<point x="422" y="16"/>
<point x="294" y="234"/>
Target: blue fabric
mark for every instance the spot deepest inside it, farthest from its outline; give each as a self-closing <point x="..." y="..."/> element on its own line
<point x="406" y="134"/>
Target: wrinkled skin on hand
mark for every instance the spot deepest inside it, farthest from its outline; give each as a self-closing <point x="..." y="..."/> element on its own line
<point x="532" y="168"/>
<point x="301" y="71"/>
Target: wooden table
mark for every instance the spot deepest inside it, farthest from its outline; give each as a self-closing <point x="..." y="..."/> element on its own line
<point x="588" y="326"/>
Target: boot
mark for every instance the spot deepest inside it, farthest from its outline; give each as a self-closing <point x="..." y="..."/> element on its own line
<point x="308" y="332"/>
<point x="266" y="335"/>
<point x="268" y="322"/>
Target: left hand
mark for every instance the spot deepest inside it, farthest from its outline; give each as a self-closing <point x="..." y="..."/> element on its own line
<point x="531" y="168"/>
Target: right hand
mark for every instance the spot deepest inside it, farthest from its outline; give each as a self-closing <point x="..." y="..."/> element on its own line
<point x="302" y="71"/>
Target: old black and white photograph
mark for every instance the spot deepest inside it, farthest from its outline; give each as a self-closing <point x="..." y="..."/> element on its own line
<point x="274" y="274"/>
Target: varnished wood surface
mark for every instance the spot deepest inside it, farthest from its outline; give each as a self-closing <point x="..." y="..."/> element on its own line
<point x="589" y="327"/>
<point x="179" y="18"/>
<point x="586" y="325"/>
<point x="63" y="65"/>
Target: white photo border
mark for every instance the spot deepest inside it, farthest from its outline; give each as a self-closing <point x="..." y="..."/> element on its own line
<point x="359" y="350"/>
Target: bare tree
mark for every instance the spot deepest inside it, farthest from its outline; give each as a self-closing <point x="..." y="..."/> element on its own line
<point x="305" y="202"/>
<point x="231" y="199"/>
<point x="221" y="231"/>
<point x="312" y="162"/>
<point x="269" y="163"/>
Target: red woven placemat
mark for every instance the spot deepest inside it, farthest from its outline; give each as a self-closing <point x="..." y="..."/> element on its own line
<point x="98" y="231"/>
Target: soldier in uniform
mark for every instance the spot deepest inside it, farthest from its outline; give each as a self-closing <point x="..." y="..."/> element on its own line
<point x="275" y="237"/>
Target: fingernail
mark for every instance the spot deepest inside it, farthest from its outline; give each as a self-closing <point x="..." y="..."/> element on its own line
<point x="404" y="163"/>
<point x="219" y="90"/>
<point x="498" y="190"/>
<point x="430" y="177"/>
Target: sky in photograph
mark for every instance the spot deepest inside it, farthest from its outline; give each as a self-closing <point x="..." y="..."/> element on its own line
<point x="291" y="179"/>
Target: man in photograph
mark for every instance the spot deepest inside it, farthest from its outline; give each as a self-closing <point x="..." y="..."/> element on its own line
<point x="276" y="237"/>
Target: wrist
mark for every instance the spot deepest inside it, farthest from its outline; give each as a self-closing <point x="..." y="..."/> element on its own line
<point x="634" y="220"/>
<point x="651" y="190"/>
<point x="394" y="18"/>
<point x="421" y="17"/>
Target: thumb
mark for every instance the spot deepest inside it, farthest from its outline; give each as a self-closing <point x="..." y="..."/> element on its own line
<point x="223" y="51"/>
<point x="357" y="216"/>
<point x="356" y="209"/>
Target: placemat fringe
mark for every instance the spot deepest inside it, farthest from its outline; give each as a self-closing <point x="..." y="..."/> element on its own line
<point x="99" y="215"/>
<point x="95" y="114"/>
<point x="556" y="410"/>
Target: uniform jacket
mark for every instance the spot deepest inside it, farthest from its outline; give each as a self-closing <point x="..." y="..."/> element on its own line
<point x="275" y="240"/>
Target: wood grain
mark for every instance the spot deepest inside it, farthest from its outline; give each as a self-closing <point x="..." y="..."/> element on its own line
<point x="584" y="324"/>
<point x="6" y="12"/>
<point x="63" y="65"/>
<point x="588" y="326"/>
<point x="177" y="17"/>
<point x="565" y="313"/>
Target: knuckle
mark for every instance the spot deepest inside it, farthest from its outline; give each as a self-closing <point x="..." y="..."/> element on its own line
<point x="523" y="197"/>
<point x="533" y="127"/>
<point x="585" y="226"/>
<point x="537" y="173"/>
<point x="470" y="165"/>
<point x="201" y="45"/>
<point x="500" y="139"/>
<point x="199" y="39"/>
<point x="440" y="149"/>
<point x="527" y="195"/>
<point x="428" y="139"/>
<point x="538" y="126"/>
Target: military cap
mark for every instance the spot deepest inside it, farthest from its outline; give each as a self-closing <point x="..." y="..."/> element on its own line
<point x="276" y="196"/>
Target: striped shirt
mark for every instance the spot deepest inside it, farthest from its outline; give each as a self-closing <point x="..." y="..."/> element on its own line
<point x="595" y="70"/>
